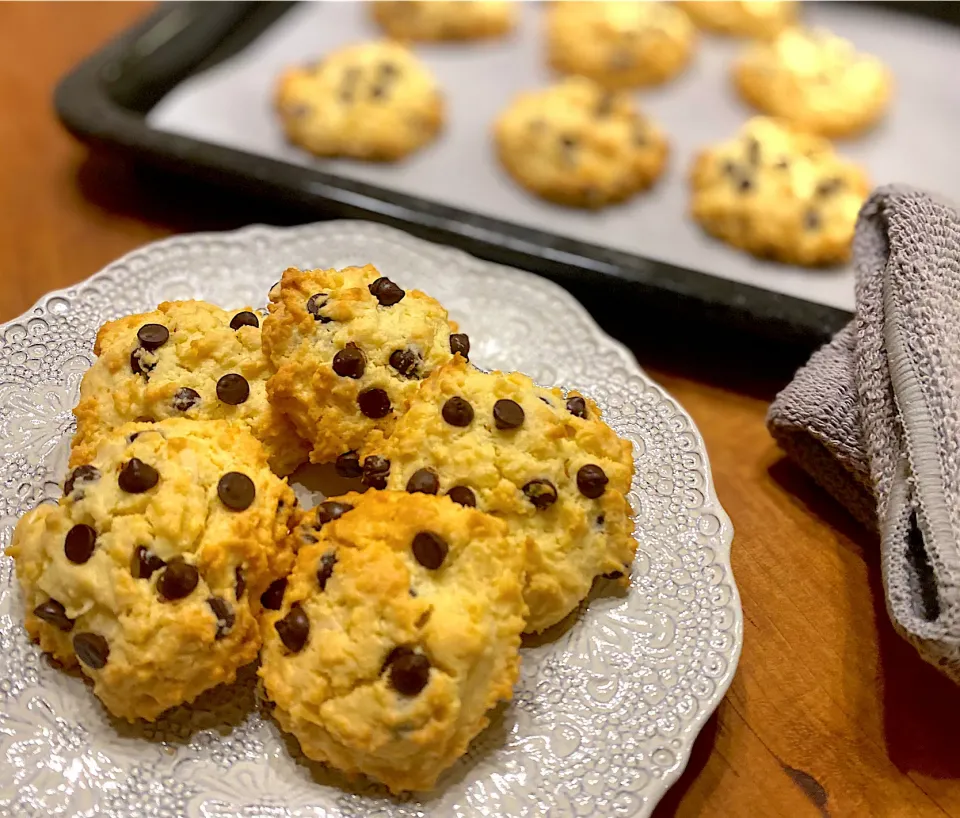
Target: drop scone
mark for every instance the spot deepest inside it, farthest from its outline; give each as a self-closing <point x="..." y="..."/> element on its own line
<point x="816" y="81"/>
<point x="372" y="101"/>
<point x="742" y="18"/>
<point x="579" y="144"/>
<point x="779" y="194"/>
<point x="150" y="568"/>
<point x="186" y="359"/>
<point x="397" y="631"/>
<point x="619" y="44"/>
<point x="444" y="20"/>
<point x="543" y="462"/>
<point x="350" y="347"/>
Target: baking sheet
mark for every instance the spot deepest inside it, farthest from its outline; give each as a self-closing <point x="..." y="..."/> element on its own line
<point x="231" y="105"/>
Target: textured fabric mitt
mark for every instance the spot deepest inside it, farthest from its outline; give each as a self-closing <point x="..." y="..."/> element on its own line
<point x="874" y="416"/>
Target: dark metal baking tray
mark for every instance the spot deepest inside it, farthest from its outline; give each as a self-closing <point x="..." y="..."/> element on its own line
<point x="104" y="102"/>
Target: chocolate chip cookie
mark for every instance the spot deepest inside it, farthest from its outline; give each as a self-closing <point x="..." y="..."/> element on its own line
<point x="779" y="194"/>
<point x="149" y="570"/>
<point x="372" y="101"/>
<point x="444" y="20"/>
<point x="186" y="359"/>
<point x="815" y="81"/>
<point x="577" y="143"/>
<point x="542" y="461"/>
<point x="351" y="347"/>
<point x="395" y="634"/>
<point x="619" y="44"/>
<point x="742" y="18"/>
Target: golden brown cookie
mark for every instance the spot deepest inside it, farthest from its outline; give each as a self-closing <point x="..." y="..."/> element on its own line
<point x="444" y="20"/>
<point x="619" y="44"/>
<point x="395" y="634"/>
<point x="186" y="359"/>
<point x="542" y="461"/>
<point x="779" y="194"/>
<point x="350" y="347"/>
<point x="742" y="18"/>
<point x="150" y="568"/>
<point x="373" y="101"/>
<point x="579" y="144"/>
<point x="816" y="81"/>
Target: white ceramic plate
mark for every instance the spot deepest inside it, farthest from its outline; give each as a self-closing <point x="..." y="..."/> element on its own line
<point x="608" y="703"/>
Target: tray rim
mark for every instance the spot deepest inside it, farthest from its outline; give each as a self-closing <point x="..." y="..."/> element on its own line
<point x="86" y="108"/>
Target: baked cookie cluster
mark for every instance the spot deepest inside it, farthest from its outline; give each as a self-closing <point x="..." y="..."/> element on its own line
<point x="779" y="193"/>
<point x="388" y="623"/>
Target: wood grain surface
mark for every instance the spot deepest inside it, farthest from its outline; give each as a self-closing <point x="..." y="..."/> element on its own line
<point x="829" y="713"/>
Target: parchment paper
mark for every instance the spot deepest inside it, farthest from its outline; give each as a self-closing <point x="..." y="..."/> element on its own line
<point x="918" y="143"/>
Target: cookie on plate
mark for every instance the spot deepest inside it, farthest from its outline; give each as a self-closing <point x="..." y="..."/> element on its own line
<point x="579" y="144"/>
<point x="186" y="359"/>
<point x="350" y="347"/>
<point x="816" y="81"/>
<point x="544" y="462"/>
<point x="761" y="19"/>
<point x="395" y="634"/>
<point x="444" y="20"/>
<point x="150" y="568"/>
<point x="372" y="101"/>
<point x="619" y="44"/>
<point x="779" y="193"/>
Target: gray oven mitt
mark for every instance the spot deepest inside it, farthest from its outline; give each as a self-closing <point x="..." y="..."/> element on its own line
<point x="874" y="416"/>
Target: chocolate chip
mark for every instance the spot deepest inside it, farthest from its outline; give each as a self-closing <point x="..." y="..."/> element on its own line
<point x="80" y="543"/>
<point x="409" y="673"/>
<point x="542" y="493"/>
<point x="577" y="406"/>
<point x="80" y="476"/>
<point x="153" y="336"/>
<point x="753" y="151"/>
<point x="348" y="464"/>
<point x="568" y="146"/>
<point x="388" y="69"/>
<point x="244" y="319"/>
<point x="728" y="167"/>
<point x="348" y="85"/>
<point x="272" y="598"/>
<point x="138" y="365"/>
<point x="325" y="569"/>
<point x="331" y="510"/>
<point x="457" y="412"/>
<point x="507" y="414"/>
<point x="386" y="292"/>
<point x="601" y="519"/>
<point x="185" y="398"/>
<point x="376" y="470"/>
<point x="241" y="582"/>
<point x="178" y="579"/>
<point x="144" y="562"/>
<point x="423" y="481"/>
<point x="463" y="496"/>
<point x="378" y="91"/>
<point x="349" y="362"/>
<point x="811" y="220"/>
<point x="315" y="303"/>
<point x="236" y="490"/>
<point x="460" y="345"/>
<point x="613" y="575"/>
<point x="53" y="613"/>
<point x="137" y="477"/>
<point x="591" y="481"/>
<point x="396" y="653"/>
<point x="294" y="629"/>
<point x="429" y="550"/>
<point x="782" y="163"/>
<point x="374" y="403"/>
<point x="405" y="361"/>
<point x="744" y="184"/>
<point x="828" y="187"/>
<point x="225" y="617"/>
<point x="91" y="649"/>
<point x="233" y="389"/>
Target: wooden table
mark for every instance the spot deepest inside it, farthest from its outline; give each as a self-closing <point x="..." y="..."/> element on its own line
<point x="830" y="712"/>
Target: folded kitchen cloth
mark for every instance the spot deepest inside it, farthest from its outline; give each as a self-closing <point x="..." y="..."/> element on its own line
<point x="874" y="416"/>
